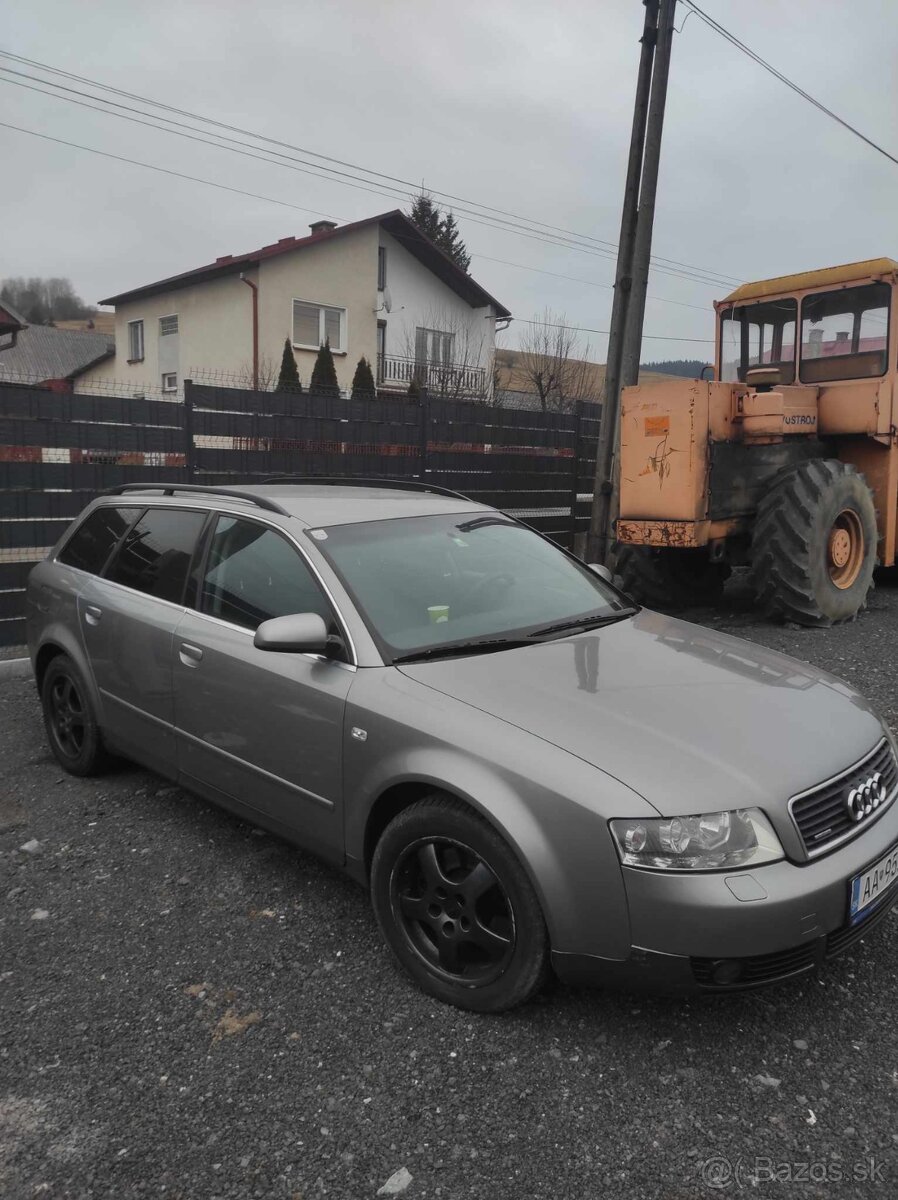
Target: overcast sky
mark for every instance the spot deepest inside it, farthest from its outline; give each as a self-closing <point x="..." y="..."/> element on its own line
<point x="512" y="103"/>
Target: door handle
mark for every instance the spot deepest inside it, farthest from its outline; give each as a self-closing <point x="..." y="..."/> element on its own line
<point x="191" y="656"/>
<point x="92" y="614"/>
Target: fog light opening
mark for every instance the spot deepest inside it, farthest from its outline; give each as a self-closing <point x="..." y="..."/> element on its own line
<point x="726" y="971"/>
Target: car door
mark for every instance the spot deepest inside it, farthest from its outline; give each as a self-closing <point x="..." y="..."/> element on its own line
<point x="128" y="618"/>
<point x="260" y="727"/>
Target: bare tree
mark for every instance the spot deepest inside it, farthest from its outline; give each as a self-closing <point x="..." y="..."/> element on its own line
<point x="451" y="356"/>
<point x="269" y="370"/>
<point x="554" y="363"/>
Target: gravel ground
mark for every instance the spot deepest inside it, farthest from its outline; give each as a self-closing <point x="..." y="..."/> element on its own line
<point x="190" y="1009"/>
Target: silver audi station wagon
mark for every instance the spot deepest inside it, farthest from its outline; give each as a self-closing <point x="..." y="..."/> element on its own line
<point x="526" y="770"/>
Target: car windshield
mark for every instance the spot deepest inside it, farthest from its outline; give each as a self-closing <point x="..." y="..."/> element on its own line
<point x="424" y="583"/>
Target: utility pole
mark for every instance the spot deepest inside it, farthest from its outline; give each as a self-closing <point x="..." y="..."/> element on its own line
<point x="634" y="253"/>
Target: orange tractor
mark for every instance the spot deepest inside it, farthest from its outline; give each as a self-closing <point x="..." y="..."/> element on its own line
<point x="786" y="462"/>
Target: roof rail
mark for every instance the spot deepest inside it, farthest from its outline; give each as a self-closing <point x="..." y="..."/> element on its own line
<point x="169" y="489"/>
<point x="404" y="485"/>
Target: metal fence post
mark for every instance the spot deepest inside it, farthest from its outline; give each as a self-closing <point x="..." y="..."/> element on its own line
<point x="189" y="449"/>
<point x="575" y="478"/>
<point x="423" y="433"/>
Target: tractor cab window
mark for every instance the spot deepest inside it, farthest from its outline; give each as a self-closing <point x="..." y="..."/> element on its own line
<point x="845" y="334"/>
<point x="758" y="335"/>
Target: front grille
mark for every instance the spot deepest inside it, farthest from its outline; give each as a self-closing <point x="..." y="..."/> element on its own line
<point x="821" y="815"/>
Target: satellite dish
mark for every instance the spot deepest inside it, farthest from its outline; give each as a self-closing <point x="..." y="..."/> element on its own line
<point x="388" y="300"/>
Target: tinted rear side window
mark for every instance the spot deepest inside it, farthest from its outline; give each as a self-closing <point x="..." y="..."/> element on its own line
<point x="92" y="542"/>
<point x="155" y="556"/>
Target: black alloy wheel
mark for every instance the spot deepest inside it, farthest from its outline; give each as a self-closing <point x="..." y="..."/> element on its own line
<point x="453" y="911"/>
<point x="69" y="719"/>
<point x="67" y="716"/>
<point x="457" y="908"/>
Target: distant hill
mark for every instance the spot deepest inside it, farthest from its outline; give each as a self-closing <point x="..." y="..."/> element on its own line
<point x="691" y="368"/>
<point x="512" y="369"/>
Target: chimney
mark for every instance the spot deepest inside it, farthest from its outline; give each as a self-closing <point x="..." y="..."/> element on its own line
<point x="322" y="226"/>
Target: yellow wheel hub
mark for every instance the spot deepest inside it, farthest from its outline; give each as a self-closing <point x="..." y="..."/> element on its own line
<point x="845" y="548"/>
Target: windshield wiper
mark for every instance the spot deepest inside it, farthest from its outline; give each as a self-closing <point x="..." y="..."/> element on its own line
<point x="481" y="647"/>
<point x="583" y="623"/>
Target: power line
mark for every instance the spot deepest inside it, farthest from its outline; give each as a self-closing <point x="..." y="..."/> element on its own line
<point x="733" y="40"/>
<point x="609" y="287"/>
<point x="655" y="337"/>
<point x="135" y="162"/>
<point x="307" y="169"/>
<point x="505" y="218"/>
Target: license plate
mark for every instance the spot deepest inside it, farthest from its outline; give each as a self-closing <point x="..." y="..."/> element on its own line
<point x="870" y="886"/>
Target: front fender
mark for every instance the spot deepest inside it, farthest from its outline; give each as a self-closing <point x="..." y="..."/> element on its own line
<point x="551" y="807"/>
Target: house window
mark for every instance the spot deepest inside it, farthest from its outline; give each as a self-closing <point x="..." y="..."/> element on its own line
<point x="168" y="325"/>
<point x="315" y="324"/>
<point x="135" y="341"/>
<point x="381" y="268"/>
<point x="170" y="382"/>
<point x="381" y="349"/>
<point x="433" y="346"/>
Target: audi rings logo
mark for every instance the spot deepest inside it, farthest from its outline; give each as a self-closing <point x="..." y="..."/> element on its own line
<point x="862" y="800"/>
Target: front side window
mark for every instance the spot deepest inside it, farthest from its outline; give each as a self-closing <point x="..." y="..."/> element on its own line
<point x="381" y="268"/>
<point x="253" y="574"/>
<point x="95" y="538"/>
<point x="845" y="334"/>
<point x="135" y="341"/>
<point x="168" y="325"/>
<point x="170" y="382"/>
<point x="425" y="582"/>
<point x="315" y="324"/>
<point x="758" y="335"/>
<point x="155" y="556"/>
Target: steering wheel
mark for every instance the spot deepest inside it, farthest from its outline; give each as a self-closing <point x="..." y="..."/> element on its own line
<point x="482" y="589"/>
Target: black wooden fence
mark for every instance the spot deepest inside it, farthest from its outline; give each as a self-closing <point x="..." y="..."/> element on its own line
<point x="58" y="450"/>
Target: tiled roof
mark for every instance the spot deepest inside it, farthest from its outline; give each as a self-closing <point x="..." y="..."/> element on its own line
<point x="47" y="353"/>
<point x="395" y="223"/>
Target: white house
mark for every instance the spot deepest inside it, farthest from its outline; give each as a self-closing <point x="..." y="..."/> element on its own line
<point x="376" y="288"/>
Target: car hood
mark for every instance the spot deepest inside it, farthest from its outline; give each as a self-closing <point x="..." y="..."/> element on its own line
<point x="691" y="719"/>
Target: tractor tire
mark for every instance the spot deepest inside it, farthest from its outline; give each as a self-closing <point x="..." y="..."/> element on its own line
<point x="814" y="544"/>
<point x="669" y="579"/>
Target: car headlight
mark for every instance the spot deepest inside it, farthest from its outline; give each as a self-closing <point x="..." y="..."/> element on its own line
<point x="709" y="842"/>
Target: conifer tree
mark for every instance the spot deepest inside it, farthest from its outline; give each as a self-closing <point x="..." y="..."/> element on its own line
<point x="363" y="387"/>
<point x="324" y="373"/>
<point x="288" y="380"/>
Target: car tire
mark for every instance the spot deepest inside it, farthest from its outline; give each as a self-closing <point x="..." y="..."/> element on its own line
<point x="457" y="908"/>
<point x="70" y="720"/>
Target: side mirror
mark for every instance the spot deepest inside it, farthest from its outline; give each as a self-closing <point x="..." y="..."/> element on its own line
<point x="298" y="633"/>
<point x="602" y="571"/>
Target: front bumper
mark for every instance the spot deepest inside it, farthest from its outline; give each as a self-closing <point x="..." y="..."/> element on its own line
<point x="766" y="924"/>
<point x="672" y="974"/>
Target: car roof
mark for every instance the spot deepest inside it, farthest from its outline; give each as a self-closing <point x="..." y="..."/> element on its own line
<point x="316" y="503"/>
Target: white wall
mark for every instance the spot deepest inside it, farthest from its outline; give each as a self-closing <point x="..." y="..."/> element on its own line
<point x="420" y="298"/>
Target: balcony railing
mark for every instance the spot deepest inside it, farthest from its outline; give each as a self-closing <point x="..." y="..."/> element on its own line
<point x="438" y="377"/>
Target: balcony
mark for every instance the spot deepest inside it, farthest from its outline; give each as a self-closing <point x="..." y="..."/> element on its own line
<point x="440" y="378"/>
